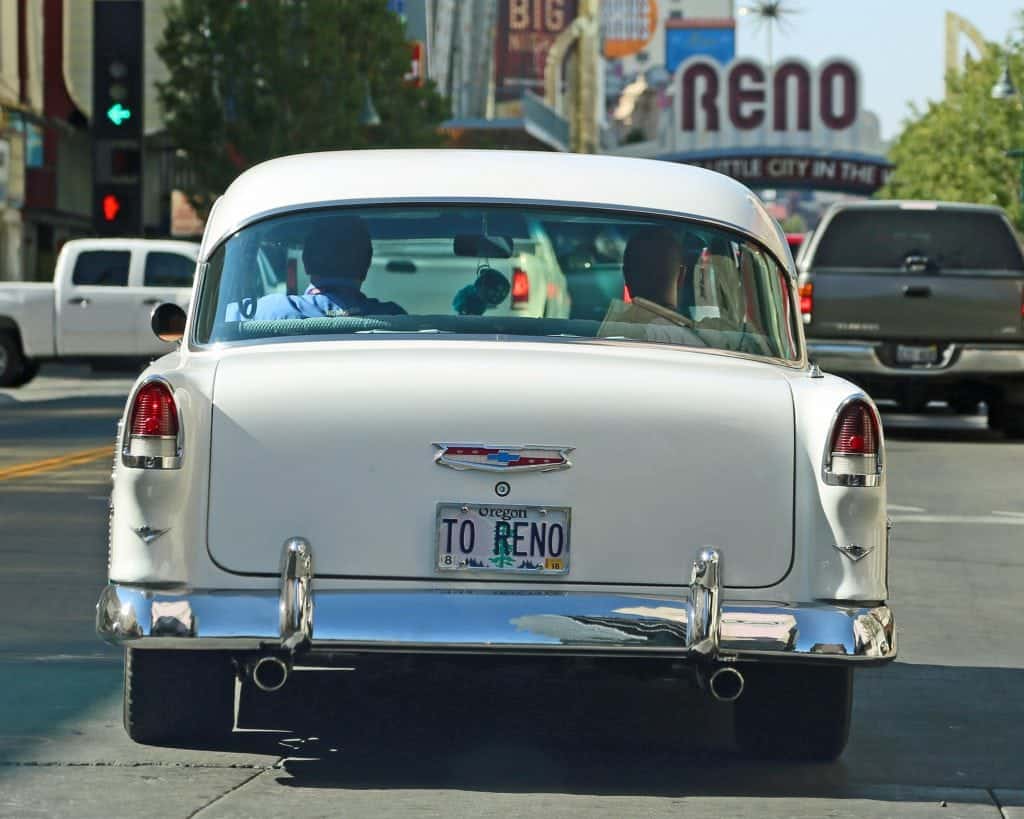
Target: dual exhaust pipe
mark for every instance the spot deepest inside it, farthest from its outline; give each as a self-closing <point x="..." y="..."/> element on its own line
<point x="725" y="683"/>
<point x="270" y="673"/>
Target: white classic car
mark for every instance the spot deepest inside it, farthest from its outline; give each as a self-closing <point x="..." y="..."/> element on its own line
<point x="319" y="475"/>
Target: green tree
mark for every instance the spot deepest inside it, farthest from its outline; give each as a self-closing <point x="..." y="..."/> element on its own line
<point x="253" y="80"/>
<point x="956" y="148"/>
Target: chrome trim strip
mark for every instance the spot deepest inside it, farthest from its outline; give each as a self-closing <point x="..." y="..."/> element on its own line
<point x="830" y="477"/>
<point x="151" y="462"/>
<point x="528" y="622"/>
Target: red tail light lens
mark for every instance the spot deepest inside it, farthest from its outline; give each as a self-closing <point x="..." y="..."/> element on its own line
<point x="854" y="452"/>
<point x="855" y="432"/>
<point x="626" y="297"/>
<point x="152" y="441"/>
<point x="154" y="412"/>
<point x="520" y="287"/>
<point x="806" y="301"/>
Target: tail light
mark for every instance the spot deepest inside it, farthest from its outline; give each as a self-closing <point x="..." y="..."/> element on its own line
<point x="626" y="297"/>
<point x="520" y="288"/>
<point x="854" y="454"/>
<point x="153" y="432"/>
<point x="806" y="301"/>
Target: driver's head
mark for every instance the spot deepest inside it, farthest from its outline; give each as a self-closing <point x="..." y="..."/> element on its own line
<point x="652" y="266"/>
<point x="338" y="249"/>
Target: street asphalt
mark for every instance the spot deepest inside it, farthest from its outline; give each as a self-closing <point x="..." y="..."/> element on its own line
<point x="938" y="733"/>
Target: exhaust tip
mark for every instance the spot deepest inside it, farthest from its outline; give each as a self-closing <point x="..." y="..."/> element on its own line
<point x="270" y="673"/>
<point x="726" y="684"/>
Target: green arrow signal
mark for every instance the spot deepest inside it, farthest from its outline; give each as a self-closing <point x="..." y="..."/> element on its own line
<point x="117" y="113"/>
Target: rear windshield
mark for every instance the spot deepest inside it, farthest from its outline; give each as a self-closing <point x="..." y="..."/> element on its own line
<point x="423" y="270"/>
<point x="919" y="240"/>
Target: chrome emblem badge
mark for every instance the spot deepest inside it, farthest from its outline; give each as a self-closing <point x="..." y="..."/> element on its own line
<point x="148" y="534"/>
<point x="495" y="458"/>
<point x="854" y="551"/>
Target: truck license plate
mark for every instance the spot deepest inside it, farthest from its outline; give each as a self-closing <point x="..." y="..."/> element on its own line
<point x="910" y="354"/>
<point x="503" y="538"/>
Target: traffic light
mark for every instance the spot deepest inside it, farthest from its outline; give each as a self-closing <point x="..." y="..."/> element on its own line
<point x="117" y="116"/>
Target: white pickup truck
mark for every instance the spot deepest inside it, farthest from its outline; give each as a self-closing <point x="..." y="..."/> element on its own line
<point x="97" y="309"/>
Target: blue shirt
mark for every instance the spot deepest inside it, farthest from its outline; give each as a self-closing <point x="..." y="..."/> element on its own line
<point x="315" y="303"/>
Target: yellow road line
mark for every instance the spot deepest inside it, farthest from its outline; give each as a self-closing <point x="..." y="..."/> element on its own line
<point x="60" y="462"/>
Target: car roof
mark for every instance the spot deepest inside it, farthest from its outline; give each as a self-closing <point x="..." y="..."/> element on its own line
<point x="128" y="243"/>
<point x="361" y="177"/>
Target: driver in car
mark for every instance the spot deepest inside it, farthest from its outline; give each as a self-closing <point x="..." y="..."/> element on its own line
<point x="652" y="266"/>
<point x="337" y="255"/>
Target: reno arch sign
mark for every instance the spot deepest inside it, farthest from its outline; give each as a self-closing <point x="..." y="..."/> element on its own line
<point x="790" y="124"/>
<point x="743" y="97"/>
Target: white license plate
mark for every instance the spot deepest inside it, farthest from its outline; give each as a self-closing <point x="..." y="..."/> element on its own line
<point x="486" y="537"/>
<point x="909" y="354"/>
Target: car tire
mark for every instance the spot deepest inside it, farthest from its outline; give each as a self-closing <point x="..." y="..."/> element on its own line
<point x="794" y="712"/>
<point x="12" y="362"/>
<point x="178" y="698"/>
<point x="1007" y="418"/>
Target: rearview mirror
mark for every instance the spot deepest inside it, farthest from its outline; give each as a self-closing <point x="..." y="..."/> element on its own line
<point x="479" y="246"/>
<point x="168" y="322"/>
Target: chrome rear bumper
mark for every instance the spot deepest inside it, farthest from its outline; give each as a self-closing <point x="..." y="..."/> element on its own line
<point x="863" y="358"/>
<point x="528" y="622"/>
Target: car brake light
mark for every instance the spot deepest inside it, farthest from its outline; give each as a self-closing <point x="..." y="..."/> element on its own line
<point x="854" y="454"/>
<point x="807" y="301"/>
<point x="520" y="288"/>
<point x="626" y="297"/>
<point x="153" y="431"/>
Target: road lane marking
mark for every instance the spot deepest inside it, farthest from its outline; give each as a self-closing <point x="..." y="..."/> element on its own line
<point x="1008" y="514"/>
<point x="893" y="507"/>
<point x="52" y="464"/>
<point x="964" y="519"/>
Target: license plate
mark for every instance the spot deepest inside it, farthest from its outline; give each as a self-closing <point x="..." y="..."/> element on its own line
<point x="485" y="537"/>
<point x="909" y="354"/>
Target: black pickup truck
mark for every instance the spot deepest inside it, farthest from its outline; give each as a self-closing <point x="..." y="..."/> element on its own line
<point x="919" y="301"/>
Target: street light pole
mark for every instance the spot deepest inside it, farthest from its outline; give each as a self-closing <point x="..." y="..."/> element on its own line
<point x="1004" y="89"/>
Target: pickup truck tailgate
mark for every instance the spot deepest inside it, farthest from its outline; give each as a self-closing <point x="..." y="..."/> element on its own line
<point x="916" y="270"/>
<point x="896" y="305"/>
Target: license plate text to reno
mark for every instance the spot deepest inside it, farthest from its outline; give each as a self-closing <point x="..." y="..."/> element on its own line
<point x="502" y="538"/>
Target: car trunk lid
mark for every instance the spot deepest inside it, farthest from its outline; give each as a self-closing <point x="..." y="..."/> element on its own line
<point x="335" y="442"/>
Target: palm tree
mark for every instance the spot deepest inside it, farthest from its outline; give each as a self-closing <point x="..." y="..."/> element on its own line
<point x="769" y="14"/>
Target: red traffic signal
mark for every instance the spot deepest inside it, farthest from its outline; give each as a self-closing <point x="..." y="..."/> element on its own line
<point x="111" y="207"/>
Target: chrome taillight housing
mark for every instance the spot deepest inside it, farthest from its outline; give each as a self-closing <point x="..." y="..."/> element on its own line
<point x="152" y="437"/>
<point x="854" y="453"/>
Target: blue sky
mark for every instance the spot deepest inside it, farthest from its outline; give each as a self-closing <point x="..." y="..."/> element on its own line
<point x="899" y="45"/>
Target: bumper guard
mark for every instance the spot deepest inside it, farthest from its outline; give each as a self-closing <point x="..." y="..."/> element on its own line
<point x="699" y="626"/>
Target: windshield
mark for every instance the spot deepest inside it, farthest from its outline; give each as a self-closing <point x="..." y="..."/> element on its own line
<point x="497" y="270"/>
<point x="919" y="240"/>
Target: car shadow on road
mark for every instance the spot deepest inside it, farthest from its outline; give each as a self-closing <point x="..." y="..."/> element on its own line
<point x="915" y="727"/>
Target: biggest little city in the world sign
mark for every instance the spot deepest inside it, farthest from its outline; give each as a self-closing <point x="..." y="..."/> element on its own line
<point x="788" y="125"/>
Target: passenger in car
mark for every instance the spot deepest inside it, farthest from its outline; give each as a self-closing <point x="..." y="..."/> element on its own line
<point x="337" y="255"/>
<point x="652" y="266"/>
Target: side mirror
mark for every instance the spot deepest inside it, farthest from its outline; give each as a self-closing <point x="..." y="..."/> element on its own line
<point x="168" y="322"/>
